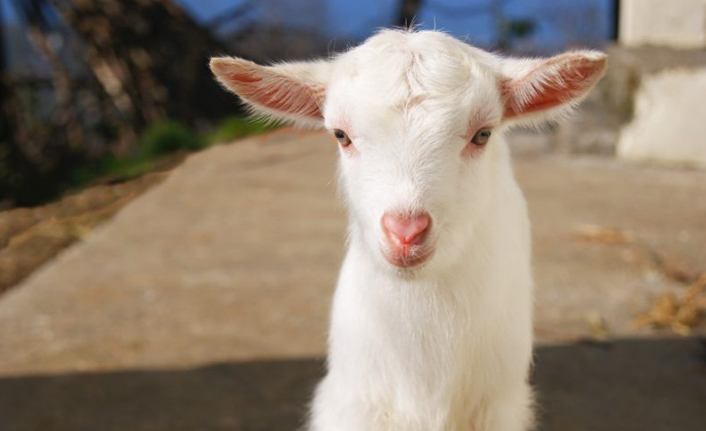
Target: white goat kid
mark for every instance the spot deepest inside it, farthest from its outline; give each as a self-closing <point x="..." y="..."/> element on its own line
<point x="431" y="328"/>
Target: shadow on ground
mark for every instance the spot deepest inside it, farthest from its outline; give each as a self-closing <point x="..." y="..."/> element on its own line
<point x="645" y="385"/>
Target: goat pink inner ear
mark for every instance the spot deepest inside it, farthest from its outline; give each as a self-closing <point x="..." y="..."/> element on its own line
<point x="282" y="95"/>
<point x="245" y="78"/>
<point x="273" y="88"/>
<point x="552" y="83"/>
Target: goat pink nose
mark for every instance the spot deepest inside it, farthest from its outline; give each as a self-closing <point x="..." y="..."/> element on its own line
<point x="405" y="228"/>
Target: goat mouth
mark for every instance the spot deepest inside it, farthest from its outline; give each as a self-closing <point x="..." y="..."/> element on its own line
<point x="408" y="256"/>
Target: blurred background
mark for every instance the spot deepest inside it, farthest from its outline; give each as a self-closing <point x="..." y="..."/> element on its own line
<point x="83" y="82"/>
<point x="202" y="305"/>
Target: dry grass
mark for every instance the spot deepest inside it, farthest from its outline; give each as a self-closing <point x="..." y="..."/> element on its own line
<point x="680" y="313"/>
<point x="31" y="236"/>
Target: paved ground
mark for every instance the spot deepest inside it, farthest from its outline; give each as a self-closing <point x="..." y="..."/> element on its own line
<point x="203" y="304"/>
<point x="631" y="385"/>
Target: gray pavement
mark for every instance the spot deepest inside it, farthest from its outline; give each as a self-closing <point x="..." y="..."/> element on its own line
<point x="630" y="385"/>
<point x="203" y="304"/>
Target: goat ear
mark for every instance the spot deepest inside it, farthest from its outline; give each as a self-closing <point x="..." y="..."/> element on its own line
<point x="289" y="91"/>
<point x="535" y="90"/>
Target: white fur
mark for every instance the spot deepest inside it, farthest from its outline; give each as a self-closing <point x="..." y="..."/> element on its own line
<point x="446" y="345"/>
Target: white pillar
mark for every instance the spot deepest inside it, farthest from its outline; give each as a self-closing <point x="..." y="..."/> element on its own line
<point x="669" y="123"/>
<point x="674" y="23"/>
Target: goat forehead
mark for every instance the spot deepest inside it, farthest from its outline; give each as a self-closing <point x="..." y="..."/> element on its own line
<point x="421" y="77"/>
<point x="405" y="71"/>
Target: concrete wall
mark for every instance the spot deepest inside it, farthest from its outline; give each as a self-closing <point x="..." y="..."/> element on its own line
<point x="675" y="23"/>
<point x="669" y="123"/>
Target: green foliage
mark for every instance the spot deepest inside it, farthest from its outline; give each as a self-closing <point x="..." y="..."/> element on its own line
<point x="112" y="168"/>
<point x="161" y="140"/>
<point x="233" y="128"/>
<point x="157" y="143"/>
<point x="167" y="137"/>
<point x="116" y="168"/>
<point x="160" y="146"/>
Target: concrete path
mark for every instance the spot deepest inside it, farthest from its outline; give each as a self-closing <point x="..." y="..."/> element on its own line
<point x="232" y="261"/>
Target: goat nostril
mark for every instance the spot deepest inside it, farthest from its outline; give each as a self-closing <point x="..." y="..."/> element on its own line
<point x="405" y="229"/>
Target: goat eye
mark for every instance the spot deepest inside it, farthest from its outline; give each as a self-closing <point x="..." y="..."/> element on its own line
<point x="341" y="137"/>
<point x="481" y="137"/>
